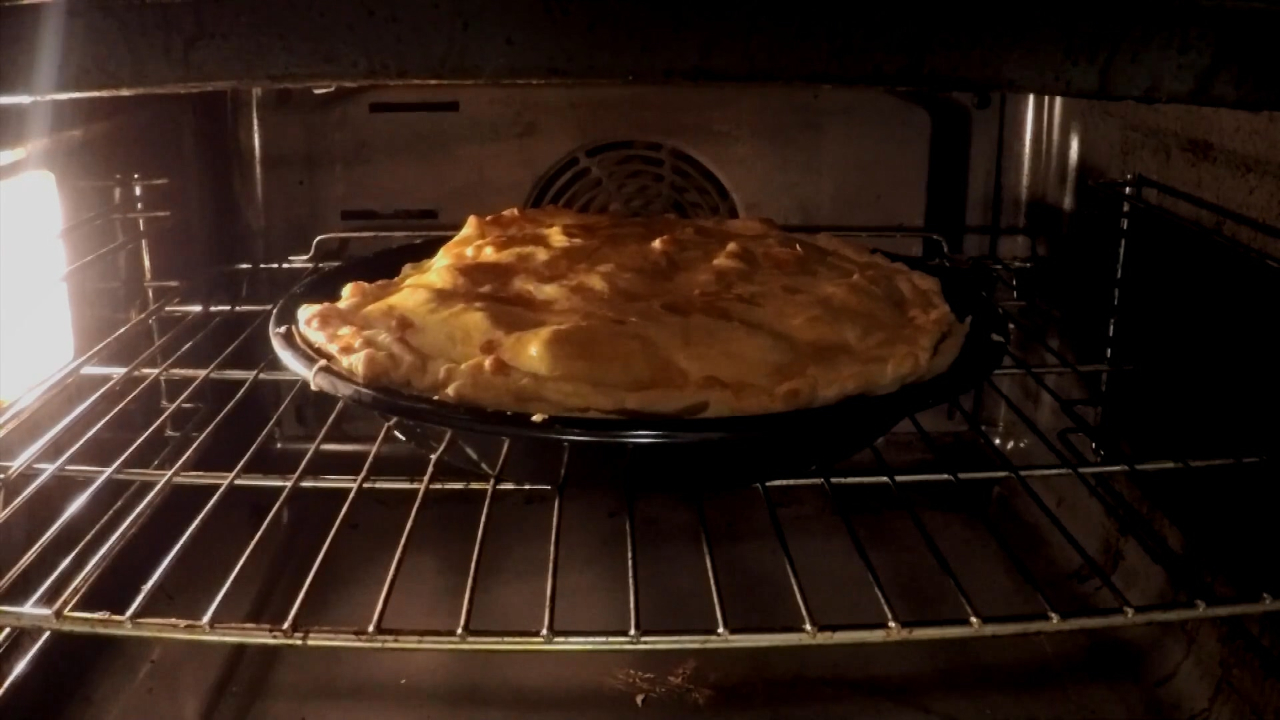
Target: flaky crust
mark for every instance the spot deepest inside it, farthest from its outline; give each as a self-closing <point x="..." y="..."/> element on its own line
<point x="555" y="312"/>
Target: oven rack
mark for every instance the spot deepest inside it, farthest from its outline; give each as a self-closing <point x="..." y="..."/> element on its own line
<point x="89" y="517"/>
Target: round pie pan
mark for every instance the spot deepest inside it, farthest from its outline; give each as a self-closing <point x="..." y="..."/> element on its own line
<point x="754" y="446"/>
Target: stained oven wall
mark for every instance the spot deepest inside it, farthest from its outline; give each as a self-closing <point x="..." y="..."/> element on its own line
<point x="1228" y="157"/>
<point x="798" y="155"/>
<point x="803" y="156"/>
<point x="1051" y="144"/>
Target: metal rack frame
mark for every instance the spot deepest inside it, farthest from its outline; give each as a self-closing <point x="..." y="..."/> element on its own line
<point x="55" y="605"/>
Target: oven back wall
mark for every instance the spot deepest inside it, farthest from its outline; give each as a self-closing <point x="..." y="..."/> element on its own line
<point x="807" y="156"/>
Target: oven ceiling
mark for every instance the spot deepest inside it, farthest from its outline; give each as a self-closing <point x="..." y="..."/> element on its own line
<point x="1208" y="53"/>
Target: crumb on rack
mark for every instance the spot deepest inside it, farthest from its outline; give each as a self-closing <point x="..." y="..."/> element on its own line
<point x="539" y="417"/>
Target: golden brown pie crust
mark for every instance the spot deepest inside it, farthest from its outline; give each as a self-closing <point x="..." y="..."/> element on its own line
<point x="555" y="312"/>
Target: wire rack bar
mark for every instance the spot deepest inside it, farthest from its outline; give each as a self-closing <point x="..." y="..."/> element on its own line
<point x="633" y="580"/>
<point x="1126" y="523"/>
<point x="1125" y="219"/>
<point x="174" y="373"/>
<point x="72" y="418"/>
<point x="207" y="619"/>
<point x="1221" y="237"/>
<point x="1089" y="430"/>
<point x="397" y="560"/>
<point x="403" y="482"/>
<point x="157" y="575"/>
<point x="51" y="580"/>
<point x="143" y="510"/>
<point x="88" y="220"/>
<point x="88" y="260"/>
<point x="7" y="637"/>
<point x="9" y="633"/>
<point x="286" y="265"/>
<point x="120" y="181"/>
<point x="464" y="619"/>
<point x="343" y="447"/>
<point x="109" y="212"/>
<point x="351" y="637"/>
<point x="176" y="439"/>
<point x="1106" y="493"/>
<point x="891" y="619"/>
<point x="20" y="667"/>
<point x="802" y="601"/>
<point x="713" y="580"/>
<point x="217" y="308"/>
<point x="1038" y="336"/>
<point x="1112" y="501"/>
<point x="1044" y="508"/>
<point x="333" y="531"/>
<point x="1019" y="566"/>
<point x="1144" y="182"/>
<point x="188" y="373"/>
<point x="74" y="506"/>
<point x="930" y="542"/>
<point x="553" y="558"/>
<point x="30" y="401"/>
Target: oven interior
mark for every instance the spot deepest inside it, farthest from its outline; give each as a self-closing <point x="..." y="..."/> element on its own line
<point x="186" y="526"/>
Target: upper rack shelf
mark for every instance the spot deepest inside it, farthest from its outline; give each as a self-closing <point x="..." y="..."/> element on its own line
<point x="174" y="482"/>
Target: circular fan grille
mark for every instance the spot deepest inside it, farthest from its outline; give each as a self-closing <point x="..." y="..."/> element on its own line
<point x="634" y="177"/>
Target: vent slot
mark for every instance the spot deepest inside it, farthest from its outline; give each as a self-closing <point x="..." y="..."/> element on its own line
<point x="435" y="106"/>
<point x="365" y="214"/>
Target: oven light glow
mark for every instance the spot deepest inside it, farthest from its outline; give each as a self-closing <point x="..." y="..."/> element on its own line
<point x="35" y="315"/>
<point x="12" y="155"/>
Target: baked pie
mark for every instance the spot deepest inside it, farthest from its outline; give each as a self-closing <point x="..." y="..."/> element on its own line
<point x="555" y="312"/>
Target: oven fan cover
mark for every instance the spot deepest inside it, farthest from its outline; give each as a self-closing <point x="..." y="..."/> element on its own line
<point x="634" y="178"/>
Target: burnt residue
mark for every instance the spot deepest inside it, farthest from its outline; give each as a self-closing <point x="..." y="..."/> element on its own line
<point x="678" y="685"/>
<point x="1226" y="157"/>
